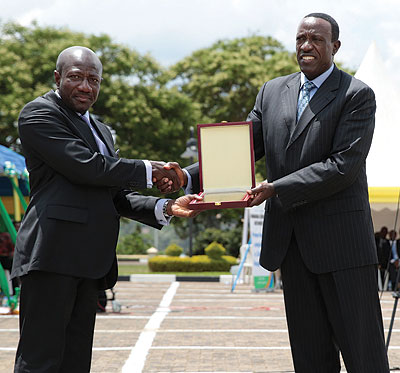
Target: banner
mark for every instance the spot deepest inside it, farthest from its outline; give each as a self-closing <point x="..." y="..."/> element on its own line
<point x="263" y="279"/>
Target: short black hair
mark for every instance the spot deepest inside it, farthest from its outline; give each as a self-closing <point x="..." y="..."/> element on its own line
<point x="327" y="17"/>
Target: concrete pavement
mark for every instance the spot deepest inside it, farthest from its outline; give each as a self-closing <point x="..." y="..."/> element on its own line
<point x="190" y="327"/>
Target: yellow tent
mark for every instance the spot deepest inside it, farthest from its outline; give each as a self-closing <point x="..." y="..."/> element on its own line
<point x="382" y="163"/>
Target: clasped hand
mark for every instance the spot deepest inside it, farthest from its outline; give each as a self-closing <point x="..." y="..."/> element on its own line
<point x="168" y="177"/>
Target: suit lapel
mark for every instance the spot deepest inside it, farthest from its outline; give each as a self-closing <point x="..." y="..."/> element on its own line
<point x="325" y="94"/>
<point x="289" y="102"/>
<point x="78" y="125"/>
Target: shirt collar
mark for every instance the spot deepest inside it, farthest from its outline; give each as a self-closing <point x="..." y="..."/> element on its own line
<point x="81" y="115"/>
<point x="319" y="79"/>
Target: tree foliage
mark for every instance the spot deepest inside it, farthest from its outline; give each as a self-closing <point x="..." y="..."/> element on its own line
<point x="151" y="120"/>
<point x="134" y="243"/>
<point x="226" y="77"/>
<point x="150" y="108"/>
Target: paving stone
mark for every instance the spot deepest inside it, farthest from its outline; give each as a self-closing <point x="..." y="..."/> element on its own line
<point x="207" y="329"/>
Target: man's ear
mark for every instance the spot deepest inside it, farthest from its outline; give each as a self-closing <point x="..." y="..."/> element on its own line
<point x="57" y="78"/>
<point x="336" y="46"/>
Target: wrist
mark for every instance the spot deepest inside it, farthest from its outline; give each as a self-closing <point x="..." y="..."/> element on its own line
<point x="167" y="208"/>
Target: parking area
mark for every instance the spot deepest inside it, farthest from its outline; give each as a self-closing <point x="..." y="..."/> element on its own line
<point x="191" y="327"/>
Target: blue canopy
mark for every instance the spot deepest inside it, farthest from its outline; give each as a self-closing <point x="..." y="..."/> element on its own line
<point x="12" y="163"/>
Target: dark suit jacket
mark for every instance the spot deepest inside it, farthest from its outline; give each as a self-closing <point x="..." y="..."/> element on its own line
<point x="77" y="194"/>
<point x="317" y="167"/>
<point x="383" y="251"/>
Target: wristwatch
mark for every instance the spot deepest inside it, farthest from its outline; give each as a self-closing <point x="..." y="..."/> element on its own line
<point x="164" y="210"/>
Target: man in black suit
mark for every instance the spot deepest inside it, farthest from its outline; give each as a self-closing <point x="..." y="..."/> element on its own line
<point x="383" y="252"/>
<point x="317" y="225"/>
<point x="65" y="249"/>
<point x="394" y="259"/>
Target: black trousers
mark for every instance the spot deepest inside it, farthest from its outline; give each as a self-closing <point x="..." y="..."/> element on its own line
<point x="393" y="276"/>
<point x="57" y="317"/>
<point x="332" y="312"/>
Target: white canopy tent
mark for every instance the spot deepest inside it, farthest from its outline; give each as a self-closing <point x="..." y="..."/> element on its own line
<point x="382" y="162"/>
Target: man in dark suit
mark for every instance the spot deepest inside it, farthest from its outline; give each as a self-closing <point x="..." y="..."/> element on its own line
<point x="383" y="251"/>
<point x="315" y="130"/>
<point x="65" y="249"/>
<point x="394" y="259"/>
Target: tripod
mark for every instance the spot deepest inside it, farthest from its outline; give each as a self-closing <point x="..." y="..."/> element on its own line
<point x="396" y="296"/>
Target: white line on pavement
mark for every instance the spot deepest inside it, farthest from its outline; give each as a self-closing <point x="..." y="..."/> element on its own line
<point x="137" y="358"/>
<point x="122" y="331"/>
<point x="188" y="348"/>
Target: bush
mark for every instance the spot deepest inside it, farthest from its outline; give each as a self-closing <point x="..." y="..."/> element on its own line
<point x="197" y="263"/>
<point x="215" y="250"/>
<point x="230" y="238"/>
<point x="173" y="250"/>
<point x="135" y="243"/>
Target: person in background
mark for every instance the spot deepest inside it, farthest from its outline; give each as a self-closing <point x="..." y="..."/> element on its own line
<point x="394" y="259"/>
<point x="383" y="252"/>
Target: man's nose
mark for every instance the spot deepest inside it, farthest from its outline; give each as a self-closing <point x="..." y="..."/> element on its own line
<point x="84" y="85"/>
<point x="307" y="45"/>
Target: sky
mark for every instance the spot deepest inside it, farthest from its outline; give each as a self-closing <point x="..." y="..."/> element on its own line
<point x="172" y="29"/>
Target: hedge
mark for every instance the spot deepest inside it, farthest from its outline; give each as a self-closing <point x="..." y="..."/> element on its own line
<point x="197" y="263"/>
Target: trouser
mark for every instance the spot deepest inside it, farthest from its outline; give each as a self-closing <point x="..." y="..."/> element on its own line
<point x="393" y="276"/>
<point x="57" y="317"/>
<point x="332" y="312"/>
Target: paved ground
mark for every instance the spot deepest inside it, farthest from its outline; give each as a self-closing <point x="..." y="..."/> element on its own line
<point x="190" y="327"/>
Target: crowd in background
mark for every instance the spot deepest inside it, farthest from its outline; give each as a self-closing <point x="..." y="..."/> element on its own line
<point x="388" y="250"/>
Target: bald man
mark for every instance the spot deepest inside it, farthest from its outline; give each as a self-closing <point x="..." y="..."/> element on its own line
<point x="65" y="249"/>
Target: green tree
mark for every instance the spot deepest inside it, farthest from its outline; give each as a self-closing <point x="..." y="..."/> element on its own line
<point x="151" y="120"/>
<point x="134" y="243"/>
<point x="226" y="77"/>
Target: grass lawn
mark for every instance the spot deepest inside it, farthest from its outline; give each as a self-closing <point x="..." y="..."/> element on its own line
<point x="134" y="269"/>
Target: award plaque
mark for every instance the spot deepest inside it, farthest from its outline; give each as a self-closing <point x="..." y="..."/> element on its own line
<point x="226" y="165"/>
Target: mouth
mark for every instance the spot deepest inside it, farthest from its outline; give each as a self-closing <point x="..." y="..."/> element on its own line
<point x="307" y="58"/>
<point x="82" y="99"/>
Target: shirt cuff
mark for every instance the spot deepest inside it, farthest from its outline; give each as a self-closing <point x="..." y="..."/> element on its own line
<point x="189" y="186"/>
<point x="158" y="212"/>
<point x="149" y="173"/>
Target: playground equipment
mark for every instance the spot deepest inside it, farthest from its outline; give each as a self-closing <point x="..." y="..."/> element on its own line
<point x="14" y="189"/>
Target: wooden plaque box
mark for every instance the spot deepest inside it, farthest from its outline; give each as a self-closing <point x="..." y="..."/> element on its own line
<point x="226" y="165"/>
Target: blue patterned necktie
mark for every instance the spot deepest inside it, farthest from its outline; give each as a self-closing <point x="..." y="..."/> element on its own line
<point x="304" y="98"/>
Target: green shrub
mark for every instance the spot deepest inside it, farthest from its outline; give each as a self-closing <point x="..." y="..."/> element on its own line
<point x="134" y="243"/>
<point x="215" y="250"/>
<point x="230" y="238"/>
<point x="173" y="250"/>
<point x="230" y="259"/>
<point x="197" y="263"/>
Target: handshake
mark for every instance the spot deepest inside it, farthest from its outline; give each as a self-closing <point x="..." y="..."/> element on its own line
<point x="168" y="178"/>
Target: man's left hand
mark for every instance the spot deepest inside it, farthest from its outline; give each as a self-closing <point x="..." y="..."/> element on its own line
<point x="180" y="206"/>
<point x="261" y="193"/>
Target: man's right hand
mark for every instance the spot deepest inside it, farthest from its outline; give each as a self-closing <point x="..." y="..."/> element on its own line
<point x="164" y="185"/>
<point x="166" y="178"/>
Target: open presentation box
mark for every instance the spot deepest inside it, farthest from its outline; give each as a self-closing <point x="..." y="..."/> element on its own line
<point x="226" y="165"/>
